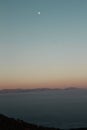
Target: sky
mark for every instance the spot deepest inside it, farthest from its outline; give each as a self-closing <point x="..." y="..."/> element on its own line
<point x="43" y="43"/>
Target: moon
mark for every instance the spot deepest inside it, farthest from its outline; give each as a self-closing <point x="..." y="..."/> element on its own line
<point x="38" y="13"/>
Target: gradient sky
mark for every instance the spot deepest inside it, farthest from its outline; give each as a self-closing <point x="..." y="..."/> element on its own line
<point x="46" y="50"/>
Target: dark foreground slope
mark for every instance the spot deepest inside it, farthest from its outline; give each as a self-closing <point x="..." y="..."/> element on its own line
<point x="13" y="124"/>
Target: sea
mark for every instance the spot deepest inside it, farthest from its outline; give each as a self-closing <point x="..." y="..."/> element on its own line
<point x="53" y="108"/>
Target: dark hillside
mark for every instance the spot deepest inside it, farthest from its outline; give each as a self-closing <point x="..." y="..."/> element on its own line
<point x="12" y="124"/>
<point x="7" y="123"/>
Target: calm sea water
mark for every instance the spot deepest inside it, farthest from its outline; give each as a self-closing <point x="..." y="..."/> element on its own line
<point x="63" y="109"/>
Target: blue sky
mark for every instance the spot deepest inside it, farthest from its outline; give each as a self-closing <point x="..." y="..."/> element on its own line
<point x="50" y="48"/>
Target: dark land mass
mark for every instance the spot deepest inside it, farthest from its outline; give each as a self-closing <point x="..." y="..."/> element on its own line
<point x="7" y="123"/>
<point x="4" y="91"/>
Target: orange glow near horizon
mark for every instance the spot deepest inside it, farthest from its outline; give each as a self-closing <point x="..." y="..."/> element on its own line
<point x="44" y="77"/>
<point x="81" y="83"/>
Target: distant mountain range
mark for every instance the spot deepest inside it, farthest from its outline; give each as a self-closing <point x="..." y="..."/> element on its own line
<point x="3" y="91"/>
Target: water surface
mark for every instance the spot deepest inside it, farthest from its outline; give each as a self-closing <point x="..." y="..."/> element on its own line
<point x="62" y="108"/>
